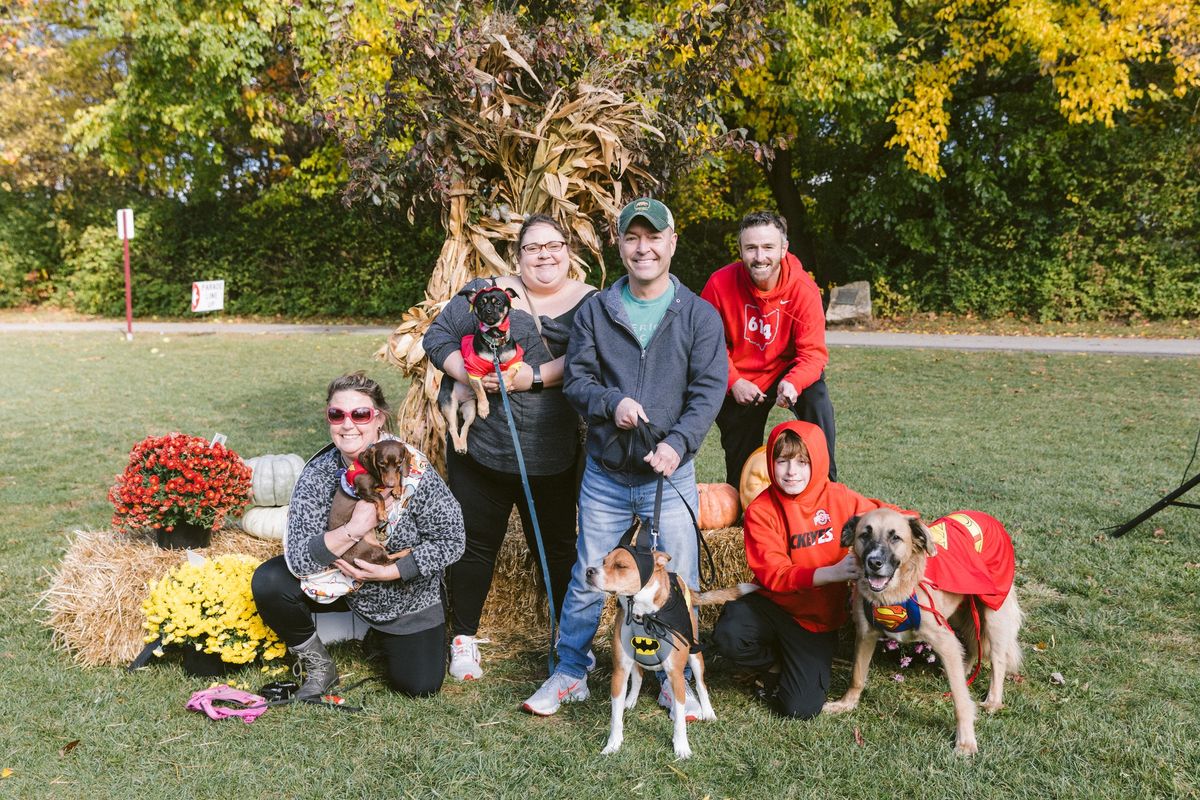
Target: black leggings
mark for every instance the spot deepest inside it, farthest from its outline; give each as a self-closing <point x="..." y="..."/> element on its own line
<point x="742" y="426"/>
<point x="755" y="633"/>
<point x="487" y="498"/>
<point x="414" y="663"/>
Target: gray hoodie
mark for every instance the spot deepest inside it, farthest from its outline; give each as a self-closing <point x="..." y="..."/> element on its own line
<point x="679" y="378"/>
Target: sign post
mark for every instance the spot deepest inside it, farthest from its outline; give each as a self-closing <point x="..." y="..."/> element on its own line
<point x="125" y="231"/>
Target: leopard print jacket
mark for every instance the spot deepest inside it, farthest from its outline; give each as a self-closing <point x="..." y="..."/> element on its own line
<point x="428" y="519"/>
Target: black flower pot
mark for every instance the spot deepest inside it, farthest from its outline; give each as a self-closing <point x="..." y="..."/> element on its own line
<point x="184" y="536"/>
<point x="204" y="665"/>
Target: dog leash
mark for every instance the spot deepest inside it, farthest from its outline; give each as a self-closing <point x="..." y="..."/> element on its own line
<point x="626" y="451"/>
<point x="537" y="531"/>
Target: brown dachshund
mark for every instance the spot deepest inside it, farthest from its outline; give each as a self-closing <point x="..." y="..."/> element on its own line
<point x="384" y="466"/>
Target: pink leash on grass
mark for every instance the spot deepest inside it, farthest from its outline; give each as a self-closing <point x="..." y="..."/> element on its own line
<point x="213" y="702"/>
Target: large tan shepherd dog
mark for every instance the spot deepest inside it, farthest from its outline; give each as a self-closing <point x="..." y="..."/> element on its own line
<point x="905" y="593"/>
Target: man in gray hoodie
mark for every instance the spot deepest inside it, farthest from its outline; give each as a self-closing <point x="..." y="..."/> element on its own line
<point x="646" y="367"/>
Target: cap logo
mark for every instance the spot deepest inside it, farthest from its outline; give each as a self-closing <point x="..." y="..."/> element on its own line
<point x="641" y="205"/>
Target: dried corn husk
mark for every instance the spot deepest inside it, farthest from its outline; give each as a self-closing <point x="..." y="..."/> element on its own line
<point x="573" y="163"/>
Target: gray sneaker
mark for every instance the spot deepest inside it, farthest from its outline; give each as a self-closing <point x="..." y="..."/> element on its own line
<point x="559" y="688"/>
<point x="691" y="704"/>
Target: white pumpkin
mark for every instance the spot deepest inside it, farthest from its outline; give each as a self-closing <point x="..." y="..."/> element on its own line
<point x="273" y="478"/>
<point x="265" y="522"/>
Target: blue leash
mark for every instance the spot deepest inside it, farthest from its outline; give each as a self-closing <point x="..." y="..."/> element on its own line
<point x="537" y="531"/>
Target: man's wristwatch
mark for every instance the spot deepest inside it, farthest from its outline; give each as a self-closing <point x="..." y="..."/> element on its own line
<point x="537" y="379"/>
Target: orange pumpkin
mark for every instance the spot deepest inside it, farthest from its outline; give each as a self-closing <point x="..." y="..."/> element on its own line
<point x="754" y="476"/>
<point x="718" y="505"/>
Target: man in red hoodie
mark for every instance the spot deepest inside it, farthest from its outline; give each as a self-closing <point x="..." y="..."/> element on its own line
<point x="775" y="338"/>
<point x="788" y="630"/>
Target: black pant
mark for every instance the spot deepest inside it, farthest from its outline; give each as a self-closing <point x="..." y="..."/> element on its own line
<point x="742" y="426"/>
<point x="755" y="633"/>
<point x="415" y="663"/>
<point x="487" y="498"/>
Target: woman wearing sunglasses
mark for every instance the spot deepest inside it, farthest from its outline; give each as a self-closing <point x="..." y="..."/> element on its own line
<point x="487" y="480"/>
<point x="400" y="601"/>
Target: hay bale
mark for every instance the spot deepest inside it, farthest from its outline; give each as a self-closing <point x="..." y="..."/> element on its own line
<point x="94" y="602"/>
<point x="515" y="612"/>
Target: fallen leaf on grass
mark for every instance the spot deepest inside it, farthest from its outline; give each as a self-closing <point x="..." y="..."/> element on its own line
<point x="1041" y="647"/>
<point x="858" y="737"/>
<point x="1057" y="678"/>
<point x="678" y="772"/>
<point x="1018" y="678"/>
<point x="68" y="747"/>
<point x="1159" y="533"/>
<point x="5" y="773"/>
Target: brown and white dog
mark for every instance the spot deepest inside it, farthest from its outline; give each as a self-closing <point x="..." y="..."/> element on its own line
<point x="491" y="306"/>
<point x="383" y="467"/>
<point x="922" y="582"/>
<point x="655" y="628"/>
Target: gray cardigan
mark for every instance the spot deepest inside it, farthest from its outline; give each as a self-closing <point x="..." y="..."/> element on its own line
<point x="680" y="378"/>
<point x="430" y="523"/>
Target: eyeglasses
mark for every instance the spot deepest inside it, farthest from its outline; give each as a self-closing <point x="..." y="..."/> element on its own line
<point x="359" y="416"/>
<point x="532" y="249"/>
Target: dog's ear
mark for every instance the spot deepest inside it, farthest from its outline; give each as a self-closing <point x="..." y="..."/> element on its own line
<point x="512" y="293"/>
<point x="661" y="558"/>
<point x="469" y="294"/>
<point x="922" y="536"/>
<point x="848" y="530"/>
<point x="367" y="459"/>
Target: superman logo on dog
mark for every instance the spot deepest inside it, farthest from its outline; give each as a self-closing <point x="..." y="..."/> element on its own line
<point x="644" y="646"/>
<point x="890" y="617"/>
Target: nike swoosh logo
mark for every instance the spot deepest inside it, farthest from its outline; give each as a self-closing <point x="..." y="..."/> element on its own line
<point x="564" y="692"/>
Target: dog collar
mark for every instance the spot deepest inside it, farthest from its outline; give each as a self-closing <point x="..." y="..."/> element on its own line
<point x="214" y="703"/>
<point x="348" y="475"/>
<point x="895" y="618"/>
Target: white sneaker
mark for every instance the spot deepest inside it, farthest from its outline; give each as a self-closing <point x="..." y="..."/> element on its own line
<point x="464" y="658"/>
<point x="559" y="688"/>
<point x="691" y="704"/>
<point x="591" y="662"/>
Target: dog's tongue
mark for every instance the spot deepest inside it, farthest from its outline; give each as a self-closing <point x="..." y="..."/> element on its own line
<point x="879" y="584"/>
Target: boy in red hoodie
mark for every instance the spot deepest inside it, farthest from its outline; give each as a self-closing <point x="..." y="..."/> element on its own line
<point x="788" y="629"/>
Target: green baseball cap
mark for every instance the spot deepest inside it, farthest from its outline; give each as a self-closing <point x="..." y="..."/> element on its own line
<point x="649" y="209"/>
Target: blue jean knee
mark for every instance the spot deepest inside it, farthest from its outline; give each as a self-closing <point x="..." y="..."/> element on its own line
<point x="607" y="507"/>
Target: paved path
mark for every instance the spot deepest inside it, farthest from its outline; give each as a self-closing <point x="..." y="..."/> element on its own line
<point x="835" y="338"/>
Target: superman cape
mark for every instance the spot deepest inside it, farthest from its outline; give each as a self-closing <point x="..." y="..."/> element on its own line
<point x="974" y="557"/>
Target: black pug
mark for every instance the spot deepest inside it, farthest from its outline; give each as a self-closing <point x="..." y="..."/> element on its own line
<point x="491" y="306"/>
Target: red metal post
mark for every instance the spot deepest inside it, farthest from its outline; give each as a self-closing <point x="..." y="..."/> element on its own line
<point x="128" y="294"/>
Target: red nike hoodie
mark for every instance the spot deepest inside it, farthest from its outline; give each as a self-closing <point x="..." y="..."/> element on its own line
<point x="789" y="537"/>
<point x="771" y="334"/>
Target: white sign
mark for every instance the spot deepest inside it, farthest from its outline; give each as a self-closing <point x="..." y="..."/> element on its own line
<point x="125" y="223"/>
<point x="208" y="296"/>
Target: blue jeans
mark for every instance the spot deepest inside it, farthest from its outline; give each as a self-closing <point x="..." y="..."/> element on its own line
<point x="606" y="510"/>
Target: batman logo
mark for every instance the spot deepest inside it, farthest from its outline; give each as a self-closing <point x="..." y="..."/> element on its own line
<point x="644" y="646"/>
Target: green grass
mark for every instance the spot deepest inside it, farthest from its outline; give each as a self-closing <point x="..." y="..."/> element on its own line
<point x="1056" y="446"/>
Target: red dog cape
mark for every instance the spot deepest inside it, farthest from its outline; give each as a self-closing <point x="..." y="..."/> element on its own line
<point x="974" y="556"/>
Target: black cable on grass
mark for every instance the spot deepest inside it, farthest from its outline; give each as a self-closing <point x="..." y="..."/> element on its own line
<point x="1187" y="470"/>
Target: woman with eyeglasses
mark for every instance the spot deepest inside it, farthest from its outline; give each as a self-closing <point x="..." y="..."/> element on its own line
<point x="487" y="480"/>
<point x="400" y="602"/>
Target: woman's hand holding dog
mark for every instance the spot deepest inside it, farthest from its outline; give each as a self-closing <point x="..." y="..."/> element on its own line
<point x="520" y="380"/>
<point x="845" y="570"/>
<point x="366" y="571"/>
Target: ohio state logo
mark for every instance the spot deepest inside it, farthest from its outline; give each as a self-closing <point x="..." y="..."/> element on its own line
<point x="760" y="328"/>
<point x="821" y="517"/>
